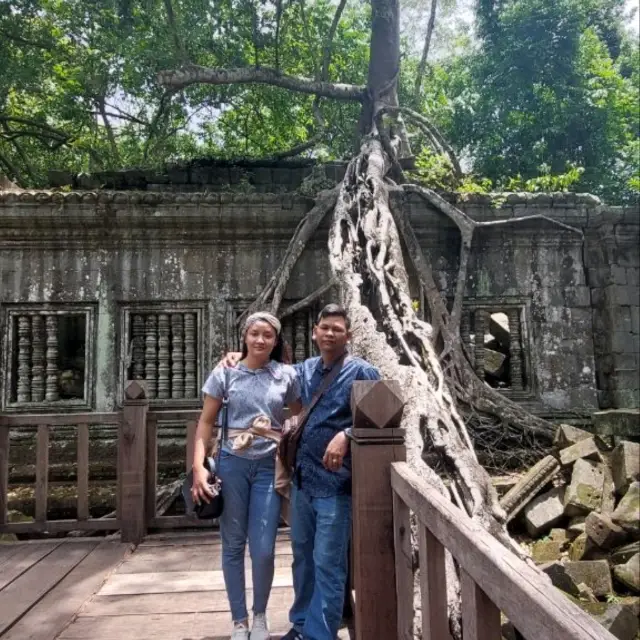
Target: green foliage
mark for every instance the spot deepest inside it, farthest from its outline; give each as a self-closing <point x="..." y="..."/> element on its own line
<point x="78" y="89"/>
<point x="553" y="85"/>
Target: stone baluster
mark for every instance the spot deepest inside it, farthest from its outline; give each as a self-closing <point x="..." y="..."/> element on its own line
<point x="164" y="385"/>
<point x="479" y="325"/>
<point x="515" y="350"/>
<point x="299" y="328"/>
<point x="24" y="359"/>
<point x="137" y="347"/>
<point x="465" y="333"/>
<point x="177" y="356"/>
<point x="37" y="359"/>
<point x="151" y="355"/>
<point x="190" y="390"/>
<point x="51" y="394"/>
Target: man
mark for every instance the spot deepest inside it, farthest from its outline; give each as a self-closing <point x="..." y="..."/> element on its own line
<point x="321" y="491"/>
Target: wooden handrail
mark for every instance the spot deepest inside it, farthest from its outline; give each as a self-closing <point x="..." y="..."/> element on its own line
<point x="58" y="419"/>
<point x="491" y="576"/>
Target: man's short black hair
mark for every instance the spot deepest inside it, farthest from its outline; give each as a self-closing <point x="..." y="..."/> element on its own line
<point x="334" y="310"/>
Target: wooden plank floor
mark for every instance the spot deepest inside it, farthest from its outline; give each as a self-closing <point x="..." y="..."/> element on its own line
<point x="44" y="584"/>
<point x="169" y="588"/>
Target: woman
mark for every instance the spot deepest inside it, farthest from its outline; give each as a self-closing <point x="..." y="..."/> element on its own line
<point x="259" y="388"/>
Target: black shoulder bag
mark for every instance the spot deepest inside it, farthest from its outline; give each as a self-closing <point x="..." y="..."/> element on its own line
<point x="213" y="508"/>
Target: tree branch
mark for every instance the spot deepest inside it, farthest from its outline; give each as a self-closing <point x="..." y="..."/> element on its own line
<point x="312" y="297"/>
<point x="182" y="54"/>
<point x="425" y="51"/>
<point x="431" y="130"/>
<point x="328" y="47"/>
<point x="193" y="74"/>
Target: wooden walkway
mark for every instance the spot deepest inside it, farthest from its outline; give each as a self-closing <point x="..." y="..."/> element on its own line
<point x="169" y="588"/>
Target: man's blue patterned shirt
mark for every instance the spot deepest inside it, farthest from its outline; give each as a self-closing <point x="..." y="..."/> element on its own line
<point x="331" y="415"/>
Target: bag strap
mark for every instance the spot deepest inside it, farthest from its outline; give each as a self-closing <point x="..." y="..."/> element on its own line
<point x="324" y="385"/>
<point x="224" y="426"/>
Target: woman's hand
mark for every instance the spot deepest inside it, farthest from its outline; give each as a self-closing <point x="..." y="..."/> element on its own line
<point x="230" y="360"/>
<point x="200" y="489"/>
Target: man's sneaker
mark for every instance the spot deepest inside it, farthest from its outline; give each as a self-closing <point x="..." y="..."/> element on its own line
<point x="240" y="631"/>
<point x="292" y="635"/>
<point x="260" y="630"/>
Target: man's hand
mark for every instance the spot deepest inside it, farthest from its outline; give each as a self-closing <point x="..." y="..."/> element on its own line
<point x="336" y="451"/>
<point x="230" y="360"/>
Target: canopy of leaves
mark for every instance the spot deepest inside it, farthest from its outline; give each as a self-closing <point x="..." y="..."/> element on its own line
<point x="552" y="87"/>
<point x="544" y="95"/>
<point x="80" y="91"/>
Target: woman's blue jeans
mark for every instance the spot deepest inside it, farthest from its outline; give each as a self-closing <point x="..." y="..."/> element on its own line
<point x="251" y="512"/>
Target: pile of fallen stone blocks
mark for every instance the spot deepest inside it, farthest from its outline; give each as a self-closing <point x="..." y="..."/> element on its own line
<point x="581" y="506"/>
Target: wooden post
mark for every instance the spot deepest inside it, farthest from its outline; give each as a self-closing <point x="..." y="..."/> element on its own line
<point x="4" y="474"/>
<point x="377" y="442"/>
<point x="132" y="458"/>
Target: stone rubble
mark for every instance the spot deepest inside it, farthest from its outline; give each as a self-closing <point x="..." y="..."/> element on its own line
<point x="581" y="507"/>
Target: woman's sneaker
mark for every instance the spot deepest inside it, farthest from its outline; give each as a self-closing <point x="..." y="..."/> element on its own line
<point x="240" y="631"/>
<point x="260" y="630"/>
<point x="292" y="635"/>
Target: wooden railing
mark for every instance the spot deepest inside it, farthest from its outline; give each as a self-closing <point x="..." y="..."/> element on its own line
<point x="137" y="467"/>
<point x="492" y="579"/>
<point x="42" y="424"/>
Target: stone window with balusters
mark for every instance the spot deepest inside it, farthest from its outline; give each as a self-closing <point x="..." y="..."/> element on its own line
<point x="162" y="345"/>
<point x="48" y="357"/>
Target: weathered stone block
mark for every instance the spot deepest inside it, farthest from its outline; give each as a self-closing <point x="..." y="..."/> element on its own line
<point x="576" y="526"/>
<point x="584" y="449"/>
<point x="493" y="361"/>
<point x="594" y="573"/>
<point x="620" y="620"/>
<point x="629" y="573"/>
<point x="625" y="465"/>
<point x="621" y="555"/>
<point x="603" y="531"/>
<point x="59" y="178"/>
<point x="608" y="491"/>
<point x="567" y="435"/>
<point x="529" y="486"/>
<point x="584" y="494"/>
<point x="544" y="551"/>
<point x="545" y="511"/>
<point x="617" y="422"/>
<point x="560" y="578"/>
<point x="583" y="548"/>
<point x="628" y="510"/>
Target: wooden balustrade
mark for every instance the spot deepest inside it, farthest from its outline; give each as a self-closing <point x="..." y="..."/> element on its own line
<point x="137" y="467"/>
<point x="43" y="423"/>
<point x="492" y="579"/>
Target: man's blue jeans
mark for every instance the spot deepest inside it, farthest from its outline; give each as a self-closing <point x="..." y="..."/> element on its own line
<point x="320" y="532"/>
<point x="251" y="511"/>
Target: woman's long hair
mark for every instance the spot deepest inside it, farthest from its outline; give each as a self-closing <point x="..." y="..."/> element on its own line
<point x="277" y="353"/>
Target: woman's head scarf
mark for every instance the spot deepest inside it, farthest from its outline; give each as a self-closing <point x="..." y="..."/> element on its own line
<point x="264" y="317"/>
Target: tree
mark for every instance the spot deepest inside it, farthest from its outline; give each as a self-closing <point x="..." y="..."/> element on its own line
<point x="365" y="248"/>
<point x="547" y="91"/>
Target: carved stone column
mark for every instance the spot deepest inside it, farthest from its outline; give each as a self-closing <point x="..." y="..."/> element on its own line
<point x="299" y="328"/>
<point x="287" y="332"/>
<point x="151" y="355"/>
<point x="137" y="350"/>
<point x="515" y="350"/>
<point x="177" y="357"/>
<point x="163" y="356"/>
<point x="37" y="359"/>
<point x="24" y="359"/>
<point x="52" y="394"/>
<point x="190" y="390"/>
<point x="479" y="325"/>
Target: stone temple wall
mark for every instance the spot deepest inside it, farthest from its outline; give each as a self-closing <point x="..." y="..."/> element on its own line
<point x="100" y="287"/>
